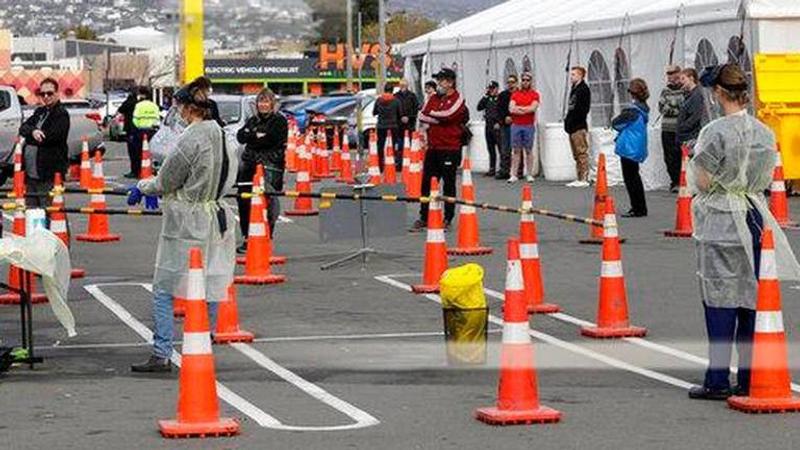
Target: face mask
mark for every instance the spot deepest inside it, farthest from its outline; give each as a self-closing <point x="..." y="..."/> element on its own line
<point x="440" y="90"/>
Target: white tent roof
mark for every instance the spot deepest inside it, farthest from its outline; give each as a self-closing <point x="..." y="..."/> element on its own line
<point x="140" y="37"/>
<point x="556" y="20"/>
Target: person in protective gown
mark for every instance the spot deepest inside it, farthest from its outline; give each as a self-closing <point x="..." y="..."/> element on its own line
<point x="192" y="181"/>
<point x="732" y="166"/>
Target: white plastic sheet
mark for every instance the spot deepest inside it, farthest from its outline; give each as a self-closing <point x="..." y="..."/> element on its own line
<point x="43" y="253"/>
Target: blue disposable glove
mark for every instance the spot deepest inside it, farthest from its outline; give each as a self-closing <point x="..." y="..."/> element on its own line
<point x="151" y="202"/>
<point x="134" y="195"/>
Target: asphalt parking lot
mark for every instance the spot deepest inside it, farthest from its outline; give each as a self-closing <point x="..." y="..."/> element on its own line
<point x="349" y="358"/>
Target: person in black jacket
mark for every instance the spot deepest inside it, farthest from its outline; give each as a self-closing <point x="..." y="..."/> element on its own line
<point x="126" y="110"/>
<point x="388" y="110"/>
<point x="409" y="105"/>
<point x="46" y="152"/>
<point x="692" y="116"/>
<point x="503" y="101"/>
<point x="580" y="102"/>
<point x="264" y="138"/>
<point x="491" y="119"/>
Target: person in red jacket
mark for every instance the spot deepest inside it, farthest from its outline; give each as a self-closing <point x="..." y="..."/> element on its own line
<point x="445" y="113"/>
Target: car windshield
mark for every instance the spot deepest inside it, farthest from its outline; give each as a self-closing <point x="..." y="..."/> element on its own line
<point x="230" y="111"/>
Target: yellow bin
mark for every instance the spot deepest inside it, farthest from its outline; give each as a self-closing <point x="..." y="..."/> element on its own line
<point x="466" y="316"/>
<point x="778" y="95"/>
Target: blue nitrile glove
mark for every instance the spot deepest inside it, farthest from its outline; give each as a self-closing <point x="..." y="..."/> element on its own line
<point x="134" y="195"/>
<point x="151" y="202"/>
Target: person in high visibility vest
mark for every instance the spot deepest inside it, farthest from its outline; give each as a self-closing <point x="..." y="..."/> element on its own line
<point x="146" y="119"/>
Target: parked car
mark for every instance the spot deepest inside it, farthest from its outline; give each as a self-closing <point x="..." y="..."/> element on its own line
<point x="300" y="110"/>
<point x="108" y="105"/>
<point x="84" y="121"/>
<point x="290" y="101"/>
<point x="234" y="110"/>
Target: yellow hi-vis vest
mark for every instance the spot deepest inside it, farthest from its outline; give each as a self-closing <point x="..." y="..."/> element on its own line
<point x="146" y="115"/>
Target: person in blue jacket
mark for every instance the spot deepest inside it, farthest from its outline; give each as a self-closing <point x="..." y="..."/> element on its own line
<point x="631" y="144"/>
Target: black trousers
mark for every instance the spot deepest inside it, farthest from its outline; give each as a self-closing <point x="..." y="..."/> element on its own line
<point x="493" y="144"/>
<point x="397" y="141"/>
<point x="443" y="165"/>
<point x="672" y="156"/>
<point x="135" y="148"/>
<point x="245" y="175"/>
<point x="633" y="183"/>
<point x="505" y="150"/>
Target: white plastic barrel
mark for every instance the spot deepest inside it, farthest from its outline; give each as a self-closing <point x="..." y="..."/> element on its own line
<point x="556" y="155"/>
<point x="477" y="146"/>
<point x="601" y="140"/>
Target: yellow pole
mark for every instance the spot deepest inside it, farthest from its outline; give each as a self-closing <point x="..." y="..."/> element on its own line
<point x="192" y="65"/>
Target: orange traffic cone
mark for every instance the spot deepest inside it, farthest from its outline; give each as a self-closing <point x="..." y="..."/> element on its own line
<point x="778" y="205"/>
<point x="258" y="180"/>
<point x="435" y="246"/>
<point x="531" y="264"/>
<point x="598" y="211"/>
<point x="98" y="223"/>
<point x="303" y="206"/>
<point x="406" y="173"/>
<point x="389" y="171"/>
<point x="291" y="148"/>
<point x="612" y="313"/>
<point x="198" y="406"/>
<point x="146" y="170"/>
<point x="683" y="213"/>
<point x="228" y="329"/>
<point x="58" y="220"/>
<point x="86" y="167"/>
<point x="517" y="392"/>
<point x="373" y="168"/>
<point x="346" y="174"/>
<point x="468" y="230"/>
<point x="259" y="246"/>
<point x="770" y="381"/>
<point x="324" y="155"/>
<point x="414" y="186"/>
<point x="15" y="274"/>
<point x="336" y="159"/>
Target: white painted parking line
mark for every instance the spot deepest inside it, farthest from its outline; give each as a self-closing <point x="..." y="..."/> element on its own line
<point x="363" y="419"/>
<point x="552" y="340"/>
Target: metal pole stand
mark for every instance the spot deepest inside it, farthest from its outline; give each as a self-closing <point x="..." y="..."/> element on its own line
<point x="26" y="317"/>
<point x="365" y="251"/>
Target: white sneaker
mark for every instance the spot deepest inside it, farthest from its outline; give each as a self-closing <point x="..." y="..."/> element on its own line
<point x="529" y="178"/>
<point x="512" y="179"/>
<point x="578" y="184"/>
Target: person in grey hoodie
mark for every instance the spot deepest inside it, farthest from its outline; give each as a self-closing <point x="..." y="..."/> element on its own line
<point x="388" y="110"/>
<point x="669" y="106"/>
<point x="692" y="116"/>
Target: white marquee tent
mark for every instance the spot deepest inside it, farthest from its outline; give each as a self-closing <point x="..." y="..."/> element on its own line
<point x="615" y="39"/>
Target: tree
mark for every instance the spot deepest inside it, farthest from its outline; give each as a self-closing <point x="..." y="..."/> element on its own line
<point x="81" y="32"/>
<point x="331" y="17"/>
<point x="400" y="27"/>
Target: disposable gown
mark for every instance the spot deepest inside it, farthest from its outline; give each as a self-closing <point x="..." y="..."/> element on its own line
<point x="737" y="154"/>
<point x="188" y="182"/>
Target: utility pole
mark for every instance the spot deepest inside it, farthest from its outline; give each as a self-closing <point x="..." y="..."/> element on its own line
<point x="381" y="75"/>
<point x="349" y="52"/>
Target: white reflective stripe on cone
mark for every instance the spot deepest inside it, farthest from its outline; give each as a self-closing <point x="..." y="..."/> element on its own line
<point x="610" y="231"/>
<point x="435" y="205"/>
<point x="528" y="251"/>
<point x="85" y="164"/>
<point x="374" y="171"/>
<point x="768" y="269"/>
<point x="778" y="186"/>
<point x="17" y="167"/>
<point x="196" y="343"/>
<point x="466" y="178"/>
<point x="255" y="199"/>
<point x="389" y="160"/>
<point x="98" y="198"/>
<point x="611" y="269"/>
<point x="302" y="177"/>
<point x="527" y="218"/>
<point x="514" y="280"/>
<point x="146" y="163"/>
<point x="466" y="209"/>
<point x="195" y="286"/>
<point x="435" y="235"/>
<point x="683" y="192"/>
<point x="516" y="333"/>
<point x="58" y="226"/>
<point x="769" y="322"/>
<point x="610" y="220"/>
<point x="257" y="230"/>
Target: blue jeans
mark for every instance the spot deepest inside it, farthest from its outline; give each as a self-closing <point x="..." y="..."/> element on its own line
<point x="165" y="322"/>
<point x="522" y="136"/>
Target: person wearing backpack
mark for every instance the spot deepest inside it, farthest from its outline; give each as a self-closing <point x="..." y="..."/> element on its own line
<point x="631" y="145"/>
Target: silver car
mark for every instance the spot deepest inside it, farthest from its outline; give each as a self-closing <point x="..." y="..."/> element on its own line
<point x="234" y="110"/>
